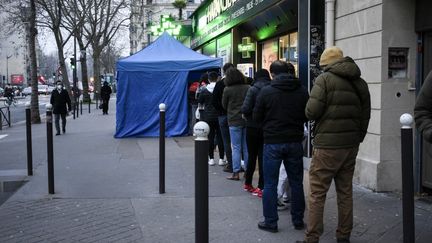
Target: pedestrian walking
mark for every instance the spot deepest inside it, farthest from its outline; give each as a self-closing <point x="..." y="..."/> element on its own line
<point x="340" y="106"/>
<point x="280" y="108"/>
<point x="254" y="134"/>
<point x="423" y="109"/>
<point x="61" y="103"/>
<point x="210" y="116"/>
<point x="105" y="95"/>
<point x="232" y="100"/>
<point x="222" y="119"/>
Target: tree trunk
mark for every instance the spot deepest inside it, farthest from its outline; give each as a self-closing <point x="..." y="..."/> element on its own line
<point x="64" y="74"/>
<point x="84" y="74"/>
<point x="35" y="116"/>
<point x="180" y="13"/>
<point x="96" y="73"/>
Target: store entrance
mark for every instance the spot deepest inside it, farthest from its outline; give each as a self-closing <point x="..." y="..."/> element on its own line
<point x="427" y="147"/>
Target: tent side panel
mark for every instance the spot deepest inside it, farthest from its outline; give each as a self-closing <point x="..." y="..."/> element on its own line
<point x="138" y="97"/>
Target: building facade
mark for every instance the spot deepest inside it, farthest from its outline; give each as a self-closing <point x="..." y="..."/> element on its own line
<point x="145" y="13"/>
<point x="390" y="40"/>
<point x="14" y="56"/>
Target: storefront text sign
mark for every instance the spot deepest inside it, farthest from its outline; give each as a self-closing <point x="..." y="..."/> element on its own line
<point x="219" y="16"/>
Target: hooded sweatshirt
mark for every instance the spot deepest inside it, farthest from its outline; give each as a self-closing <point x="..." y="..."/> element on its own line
<point x="205" y="98"/>
<point x="340" y="105"/>
<point x="249" y="102"/>
<point x="280" y="109"/>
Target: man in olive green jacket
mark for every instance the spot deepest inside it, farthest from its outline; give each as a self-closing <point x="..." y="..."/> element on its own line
<point x="423" y="109"/>
<point x="339" y="104"/>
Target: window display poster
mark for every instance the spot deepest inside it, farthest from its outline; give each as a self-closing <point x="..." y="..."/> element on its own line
<point x="269" y="53"/>
<point x="225" y="54"/>
<point x="246" y="68"/>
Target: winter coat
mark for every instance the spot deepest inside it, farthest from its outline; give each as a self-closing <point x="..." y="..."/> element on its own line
<point x="59" y="100"/>
<point x="205" y="99"/>
<point x="280" y="109"/>
<point x="423" y="109"/>
<point x="250" y="99"/>
<point x="340" y="105"/>
<point x="232" y="101"/>
<point x="217" y="97"/>
<point x="106" y="92"/>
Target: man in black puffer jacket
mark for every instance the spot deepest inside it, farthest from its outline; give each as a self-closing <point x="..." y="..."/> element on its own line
<point x="210" y="115"/>
<point x="254" y="133"/>
<point x="280" y="107"/>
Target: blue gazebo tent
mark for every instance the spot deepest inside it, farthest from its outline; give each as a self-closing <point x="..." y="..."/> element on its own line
<point x="154" y="75"/>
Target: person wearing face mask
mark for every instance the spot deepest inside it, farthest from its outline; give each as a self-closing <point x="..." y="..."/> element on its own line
<point x="59" y="100"/>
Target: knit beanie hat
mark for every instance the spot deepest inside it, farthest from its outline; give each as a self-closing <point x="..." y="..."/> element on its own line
<point x="330" y="55"/>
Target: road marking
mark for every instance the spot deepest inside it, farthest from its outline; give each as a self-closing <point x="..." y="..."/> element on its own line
<point x="3" y="136"/>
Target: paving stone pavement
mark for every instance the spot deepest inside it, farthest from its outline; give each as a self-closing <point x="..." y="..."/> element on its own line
<point x="69" y="220"/>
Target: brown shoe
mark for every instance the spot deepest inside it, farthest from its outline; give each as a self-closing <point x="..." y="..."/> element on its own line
<point x="234" y="177"/>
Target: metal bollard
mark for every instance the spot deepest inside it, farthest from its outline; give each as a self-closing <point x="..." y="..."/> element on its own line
<point x="407" y="178"/>
<point x="162" y="108"/>
<point x="201" y="130"/>
<point x="81" y="107"/>
<point x="9" y="120"/>
<point x="77" y="109"/>
<point x="73" y="110"/>
<point x="97" y="103"/>
<point x="29" y="141"/>
<point x="50" y="150"/>
<point x="89" y="103"/>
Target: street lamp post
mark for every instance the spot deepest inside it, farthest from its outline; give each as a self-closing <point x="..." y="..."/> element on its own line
<point x="7" y="68"/>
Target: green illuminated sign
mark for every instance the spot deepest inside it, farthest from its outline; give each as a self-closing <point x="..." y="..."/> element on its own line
<point x="219" y="16"/>
<point x="246" y="47"/>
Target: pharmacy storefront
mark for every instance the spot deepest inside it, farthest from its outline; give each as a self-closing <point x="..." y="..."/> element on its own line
<point x="251" y="34"/>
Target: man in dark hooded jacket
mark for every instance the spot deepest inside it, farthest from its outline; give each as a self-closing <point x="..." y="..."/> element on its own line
<point x="59" y="100"/>
<point x="423" y="109"/>
<point x="280" y="108"/>
<point x="340" y="104"/>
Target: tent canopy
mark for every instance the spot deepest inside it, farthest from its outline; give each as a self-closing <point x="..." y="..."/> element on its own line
<point x="154" y="75"/>
<point x="167" y="54"/>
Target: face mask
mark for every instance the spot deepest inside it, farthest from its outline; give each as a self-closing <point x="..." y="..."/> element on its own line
<point x="59" y="87"/>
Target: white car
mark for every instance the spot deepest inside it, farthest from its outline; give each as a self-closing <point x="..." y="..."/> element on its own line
<point x="26" y="91"/>
<point x="44" y="89"/>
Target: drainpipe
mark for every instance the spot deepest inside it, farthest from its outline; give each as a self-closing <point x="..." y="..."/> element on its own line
<point x="330" y="23"/>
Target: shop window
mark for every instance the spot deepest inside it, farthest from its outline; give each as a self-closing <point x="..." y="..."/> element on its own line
<point x="269" y="53"/>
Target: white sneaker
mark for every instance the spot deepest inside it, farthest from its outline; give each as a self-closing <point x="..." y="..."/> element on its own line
<point x="211" y="162"/>
<point x="222" y="162"/>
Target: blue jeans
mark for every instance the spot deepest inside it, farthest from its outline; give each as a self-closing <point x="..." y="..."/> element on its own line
<point x="291" y="154"/>
<point x="223" y="125"/>
<point x="238" y="142"/>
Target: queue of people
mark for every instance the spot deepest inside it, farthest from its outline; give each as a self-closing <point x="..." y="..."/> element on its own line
<point x="265" y="122"/>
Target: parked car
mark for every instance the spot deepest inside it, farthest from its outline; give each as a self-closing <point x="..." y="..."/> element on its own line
<point x="26" y="91"/>
<point x="43" y="89"/>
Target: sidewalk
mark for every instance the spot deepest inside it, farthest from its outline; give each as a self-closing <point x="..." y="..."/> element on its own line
<point x="107" y="191"/>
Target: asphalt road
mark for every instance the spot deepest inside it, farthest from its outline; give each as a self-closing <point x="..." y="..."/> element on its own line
<point x="18" y="111"/>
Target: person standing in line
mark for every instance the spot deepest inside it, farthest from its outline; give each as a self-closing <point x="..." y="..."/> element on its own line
<point x="105" y="95"/>
<point x="340" y="105"/>
<point x="423" y="109"/>
<point x="232" y="100"/>
<point x="222" y="119"/>
<point x="254" y="134"/>
<point x="59" y="100"/>
<point x="210" y="116"/>
<point x="280" y="108"/>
